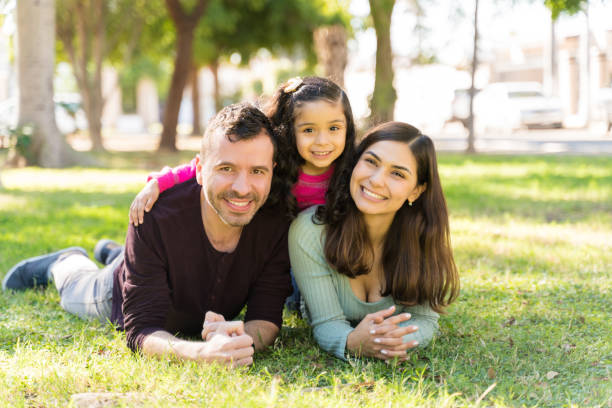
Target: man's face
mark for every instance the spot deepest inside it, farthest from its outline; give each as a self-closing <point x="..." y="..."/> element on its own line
<point x="236" y="176"/>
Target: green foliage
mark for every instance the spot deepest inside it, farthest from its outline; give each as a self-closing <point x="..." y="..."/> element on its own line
<point x="20" y="142"/>
<point x="531" y="237"/>
<point x="558" y="7"/>
<point x="245" y="26"/>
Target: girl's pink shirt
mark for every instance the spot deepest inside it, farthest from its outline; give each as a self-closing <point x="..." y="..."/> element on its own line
<point x="308" y="190"/>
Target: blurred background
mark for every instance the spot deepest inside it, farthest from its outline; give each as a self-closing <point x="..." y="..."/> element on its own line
<point x="477" y="75"/>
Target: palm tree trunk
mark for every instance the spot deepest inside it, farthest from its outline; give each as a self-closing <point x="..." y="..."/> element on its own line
<point x="471" y="148"/>
<point x="36" y="67"/>
<point x="383" y="99"/>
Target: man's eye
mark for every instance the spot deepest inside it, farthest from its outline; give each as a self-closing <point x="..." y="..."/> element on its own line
<point x="225" y="169"/>
<point x="258" y="171"/>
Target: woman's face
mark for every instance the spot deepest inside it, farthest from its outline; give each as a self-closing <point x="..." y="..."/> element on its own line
<point x="384" y="178"/>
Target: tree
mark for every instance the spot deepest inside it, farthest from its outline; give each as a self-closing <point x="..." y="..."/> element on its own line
<point x="332" y="52"/>
<point x="36" y="65"/>
<point x="471" y="148"/>
<point x="185" y="22"/>
<point x="90" y="31"/>
<point x="382" y="102"/>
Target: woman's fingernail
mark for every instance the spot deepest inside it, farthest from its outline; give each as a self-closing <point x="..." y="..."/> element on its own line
<point x="408" y="316"/>
<point x="392" y="307"/>
<point x="383" y="351"/>
<point x="414" y="328"/>
<point x="415" y="343"/>
<point x="372" y="331"/>
<point x="376" y="340"/>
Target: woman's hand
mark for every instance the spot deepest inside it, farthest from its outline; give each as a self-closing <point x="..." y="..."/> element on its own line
<point x="144" y="202"/>
<point x="379" y="335"/>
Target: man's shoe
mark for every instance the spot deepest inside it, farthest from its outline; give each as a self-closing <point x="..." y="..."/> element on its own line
<point x="34" y="271"/>
<point x="104" y="248"/>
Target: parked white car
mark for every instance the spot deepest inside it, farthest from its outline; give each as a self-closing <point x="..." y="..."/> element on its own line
<point x="507" y="106"/>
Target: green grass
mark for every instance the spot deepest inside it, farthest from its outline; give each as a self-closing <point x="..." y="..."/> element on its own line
<point x="532" y="239"/>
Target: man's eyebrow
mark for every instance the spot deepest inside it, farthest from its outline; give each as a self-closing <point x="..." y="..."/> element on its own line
<point x="394" y="165"/>
<point x="230" y="164"/>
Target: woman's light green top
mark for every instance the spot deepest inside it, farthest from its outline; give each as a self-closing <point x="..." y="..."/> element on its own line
<point x="332" y="307"/>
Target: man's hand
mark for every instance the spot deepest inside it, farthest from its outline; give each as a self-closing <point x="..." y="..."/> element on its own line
<point x="144" y="201"/>
<point x="379" y="335"/>
<point x="215" y="323"/>
<point x="233" y="351"/>
<point x="223" y="349"/>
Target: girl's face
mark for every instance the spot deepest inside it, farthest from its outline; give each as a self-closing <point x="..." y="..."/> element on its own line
<point x="384" y="178"/>
<point x="320" y="134"/>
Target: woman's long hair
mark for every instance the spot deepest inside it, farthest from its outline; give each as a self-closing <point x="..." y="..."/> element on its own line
<point x="281" y="109"/>
<point x="417" y="258"/>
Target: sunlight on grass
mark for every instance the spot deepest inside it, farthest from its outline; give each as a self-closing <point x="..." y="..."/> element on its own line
<point x="532" y="238"/>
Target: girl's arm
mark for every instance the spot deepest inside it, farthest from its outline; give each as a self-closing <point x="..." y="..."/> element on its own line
<point x="157" y="183"/>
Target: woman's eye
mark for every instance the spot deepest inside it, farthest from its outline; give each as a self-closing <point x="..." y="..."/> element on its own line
<point x="369" y="160"/>
<point x="398" y="174"/>
<point x="334" y="128"/>
<point x="308" y="130"/>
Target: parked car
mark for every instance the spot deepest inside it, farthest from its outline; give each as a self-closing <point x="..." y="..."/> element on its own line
<point x="507" y="106"/>
<point x="69" y="114"/>
<point x="460" y="107"/>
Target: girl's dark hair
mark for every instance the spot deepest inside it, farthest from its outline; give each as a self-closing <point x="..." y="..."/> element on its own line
<point x="281" y="109"/>
<point x="417" y="258"/>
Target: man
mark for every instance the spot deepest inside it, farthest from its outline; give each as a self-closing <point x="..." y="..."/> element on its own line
<point x="203" y="252"/>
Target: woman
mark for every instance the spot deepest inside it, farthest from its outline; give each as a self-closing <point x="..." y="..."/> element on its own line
<point x="374" y="264"/>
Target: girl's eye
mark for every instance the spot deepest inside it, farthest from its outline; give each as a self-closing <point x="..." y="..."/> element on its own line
<point x="398" y="174"/>
<point x="370" y="160"/>
<point x="308" y="130"/>
<point x="334" y="128"/>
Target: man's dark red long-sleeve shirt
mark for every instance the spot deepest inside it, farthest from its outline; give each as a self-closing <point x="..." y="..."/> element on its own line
<point x="172" y="276"/>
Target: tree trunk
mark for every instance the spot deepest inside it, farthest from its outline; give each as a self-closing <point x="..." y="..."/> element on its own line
<point x="185" y="25"/>
<point x="81" y="28"/>
<point x="36" y="63"/>
<point x="382" y="102"/>
<point x="332" y="51"/>
<point x="471" y="147"/>
<point x="195" y="101"/>
<point x="214" y="68"/>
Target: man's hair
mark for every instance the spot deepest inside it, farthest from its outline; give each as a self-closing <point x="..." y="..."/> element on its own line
<point x="240" y="121"/>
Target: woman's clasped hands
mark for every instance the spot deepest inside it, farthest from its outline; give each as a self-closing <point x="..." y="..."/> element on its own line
<point x="380" y="335"/>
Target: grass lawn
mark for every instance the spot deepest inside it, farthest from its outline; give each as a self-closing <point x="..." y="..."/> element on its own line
<point x="532" y="239"/>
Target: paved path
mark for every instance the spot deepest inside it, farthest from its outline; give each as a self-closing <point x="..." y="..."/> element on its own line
<point x="451" y="139"/>
<point x="541" y="141"/>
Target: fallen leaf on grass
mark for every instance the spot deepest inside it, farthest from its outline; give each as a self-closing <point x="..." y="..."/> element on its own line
<point x="551" y="374"/>
<point x="491" y="373"/>
<point x="568" y="347"/>
<point x="356" y="386"/>
<point x="509" y="322"/>
<point x="107" y="399"/>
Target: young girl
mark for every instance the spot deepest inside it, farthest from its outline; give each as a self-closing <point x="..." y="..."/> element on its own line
<point x="313" y="120"/>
